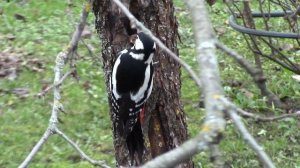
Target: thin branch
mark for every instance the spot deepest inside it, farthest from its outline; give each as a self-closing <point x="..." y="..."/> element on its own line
<point x="55" y="109"/>
<point x="216" y="156"/>
<point x="209" y="74"/>
<point x="262" y="118"/>
<point x="36" y="148"/>
<point x="183" y="152"/>
<point x="69" y="9"/>
<point x="60" y="61"/>
<point x="281" y="59"/>
<point x="82" y="154"/>
<point x="255" y="73"/>
<point x="89" y="48"/>
<point x="297" y="12"/>
<point x="57" y="84"/>
<point x="140" y="26"/>
<point x="231" y="111"/>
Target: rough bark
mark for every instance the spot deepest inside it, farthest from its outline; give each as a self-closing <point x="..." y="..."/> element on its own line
<point x="165" y="124"/>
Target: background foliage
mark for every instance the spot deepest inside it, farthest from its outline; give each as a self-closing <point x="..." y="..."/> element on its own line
<point x="33" y="32"/>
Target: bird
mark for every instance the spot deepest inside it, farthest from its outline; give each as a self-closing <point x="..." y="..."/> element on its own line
<point x="131" y="84"/>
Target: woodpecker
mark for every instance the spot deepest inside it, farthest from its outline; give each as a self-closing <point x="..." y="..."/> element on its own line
<point x="131" y="85"/>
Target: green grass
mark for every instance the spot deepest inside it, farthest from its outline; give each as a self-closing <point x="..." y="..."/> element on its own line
<point x="47" y="31"/>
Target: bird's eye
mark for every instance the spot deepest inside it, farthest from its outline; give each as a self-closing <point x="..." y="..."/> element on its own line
<point x="133" y="38"/>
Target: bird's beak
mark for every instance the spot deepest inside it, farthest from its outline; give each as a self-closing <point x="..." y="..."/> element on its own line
<point x="132" y="39"/>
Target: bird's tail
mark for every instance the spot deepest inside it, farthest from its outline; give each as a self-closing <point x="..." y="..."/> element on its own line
<point x="135" y="143"/>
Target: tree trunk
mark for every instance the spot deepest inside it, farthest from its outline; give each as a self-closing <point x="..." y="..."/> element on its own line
<point x="165" y="126"/>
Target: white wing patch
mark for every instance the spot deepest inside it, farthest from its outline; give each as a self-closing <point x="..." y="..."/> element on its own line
<point x="149" y="60"/>
<point x="150" y="89"/>
<point x="137" y="56"/>
<point x="113" y="78"/>
<point x="140" y="94"/>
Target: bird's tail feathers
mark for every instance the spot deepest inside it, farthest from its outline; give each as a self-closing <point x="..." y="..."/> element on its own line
<point x="135" y="143"/>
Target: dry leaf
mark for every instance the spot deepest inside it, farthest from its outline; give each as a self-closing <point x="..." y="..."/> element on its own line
<point x="247" y="93"/>
<point x="20" y="17"/>
<point x="22" y="92"/>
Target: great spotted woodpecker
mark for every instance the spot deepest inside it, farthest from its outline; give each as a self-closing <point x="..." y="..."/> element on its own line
<point x="131" y="85"/>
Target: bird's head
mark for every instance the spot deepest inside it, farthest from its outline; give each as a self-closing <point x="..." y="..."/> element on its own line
<point x="144" y="43"/>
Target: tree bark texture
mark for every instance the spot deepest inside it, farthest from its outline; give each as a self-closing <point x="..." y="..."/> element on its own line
<point x="165" y="125"/>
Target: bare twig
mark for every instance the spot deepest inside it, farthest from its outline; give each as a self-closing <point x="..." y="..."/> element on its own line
<point x="209" y="74"/>
<point x="55" y="109"/>
<point x="36" y="148"/>
<point x="58" y="83"/>
<point x="251" y="69"/>
<point x="57" y="106"/>
<point x="140" y="26"/>
<point x="216" y="156"/>
<point x="297" y="12"/>
<point x="264" y="158"/>
<point x="89" y="48"/>
<point x="262" y="118"/>
<point x="70" y="9"/>
<point x="82" y="154"/>
<point x="184" y="151"/>
<point x="255" y="73"/>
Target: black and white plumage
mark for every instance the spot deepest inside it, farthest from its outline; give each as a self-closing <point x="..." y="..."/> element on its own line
<point x="131" y="85"/>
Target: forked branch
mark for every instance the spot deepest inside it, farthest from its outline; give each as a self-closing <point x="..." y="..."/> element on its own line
<point x="60" y="61"/>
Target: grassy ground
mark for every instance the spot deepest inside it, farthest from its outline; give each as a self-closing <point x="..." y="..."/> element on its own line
<point x="32" y="42"/>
